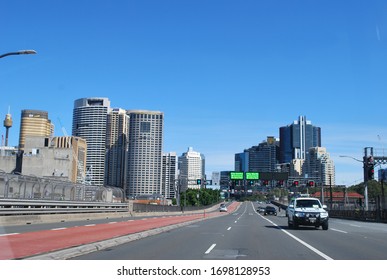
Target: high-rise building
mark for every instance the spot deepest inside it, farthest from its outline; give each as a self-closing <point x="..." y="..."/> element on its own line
<point x="296" y="139"/>
<point x="319" y="167"/>
<point x="34" y="123"/>
<point x="145" y="152"/>
<point x="117" y="134"/>
<point x="264" y="157"/>
<point x="241" y="162"/>
<point x="215" y="178"/>
<point x="89" y="123"/>
<point x="191" y="168"/>
<point x="168" y="189"/>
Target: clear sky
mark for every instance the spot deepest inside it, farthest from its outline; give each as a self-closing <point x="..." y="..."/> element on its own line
<point x="226" y="73"/>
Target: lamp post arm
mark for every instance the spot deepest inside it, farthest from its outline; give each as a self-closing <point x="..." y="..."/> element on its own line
<point x="18" y="52"/>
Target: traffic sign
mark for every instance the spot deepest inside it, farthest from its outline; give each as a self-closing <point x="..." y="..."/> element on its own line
<point x="252" y="176"/>
<point x="236" y="175"/>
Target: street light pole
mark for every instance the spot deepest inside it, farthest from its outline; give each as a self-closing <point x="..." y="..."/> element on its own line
<point x="365" y="182"/>
<point x="18" y="53"/>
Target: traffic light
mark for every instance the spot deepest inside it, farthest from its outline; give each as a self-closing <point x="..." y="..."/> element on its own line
<point x="295" y="183"/>
<point x="311" y="183"/>
<point x="265" y="182"/>
<point x="371" y="173"/>
<point x="369" y="168"/>
<point x="198" y="181"/>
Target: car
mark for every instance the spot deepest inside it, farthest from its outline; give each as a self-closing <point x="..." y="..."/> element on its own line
<point x="223" y="208"/>
<point x="261" y="209"/>
<point x="307" y="211"/>
<point x="270" y="210"/>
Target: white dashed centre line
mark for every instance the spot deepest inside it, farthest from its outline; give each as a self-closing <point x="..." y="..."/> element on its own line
<point x="210" y="249"/>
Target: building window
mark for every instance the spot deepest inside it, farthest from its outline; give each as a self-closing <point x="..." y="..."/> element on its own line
<point x="145" y="127"/>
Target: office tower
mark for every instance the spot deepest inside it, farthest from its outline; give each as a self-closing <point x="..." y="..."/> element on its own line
<point x="320" y="167"/>
<point x="241" y="162"/>
<point x="191" y="168"/>
<point x="296" y="140"/>
<point x="264" y="157"/>
<point x="169" y="175"/>
<point x="34" y="123"/>
<point x="89" y="123"/>
<point x="145" y="152"/>
<point x="117" y="132"/>
<point x="215" y="178"/>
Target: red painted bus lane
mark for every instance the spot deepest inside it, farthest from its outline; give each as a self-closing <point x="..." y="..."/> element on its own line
<point x="28" y="244"/>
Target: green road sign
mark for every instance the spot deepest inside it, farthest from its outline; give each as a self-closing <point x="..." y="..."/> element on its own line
<point x="236" y="175"/>
<point x="252" y="176"/>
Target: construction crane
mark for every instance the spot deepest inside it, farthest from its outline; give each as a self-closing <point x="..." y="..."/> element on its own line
<point x="82" y="177"/>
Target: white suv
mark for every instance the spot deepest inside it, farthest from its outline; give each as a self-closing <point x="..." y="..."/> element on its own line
<point x="307" y="211"/>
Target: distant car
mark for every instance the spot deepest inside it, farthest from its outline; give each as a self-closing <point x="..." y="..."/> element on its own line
<point x="223" y="208"/>
<point x="270" y="210"/>
<point x="261" y="209"/>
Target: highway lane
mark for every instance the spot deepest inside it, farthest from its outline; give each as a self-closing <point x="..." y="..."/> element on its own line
<point x="252" y="236"/>
<point x="244" y="234"/>
<point x="12" y="229"/>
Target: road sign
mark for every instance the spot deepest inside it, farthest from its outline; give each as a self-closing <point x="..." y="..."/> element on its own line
<point x="252" y="176"/>
<point x="236" y="175"/>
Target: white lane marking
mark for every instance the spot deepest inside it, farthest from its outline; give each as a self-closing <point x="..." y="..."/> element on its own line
<point x="92" y="225"/>
<point x="111" y="223"/>
<point x="342" y="231"/>
<point x="9" y="234"/>
<point x="210" y="249"/>
<point x="55" y="229"/>
<point x="229" y="229"/>
<point x="310" y="247"/>
<point x="353" y="225"/>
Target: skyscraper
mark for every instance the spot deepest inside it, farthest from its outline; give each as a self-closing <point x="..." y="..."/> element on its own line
<point x="320" y="167"/>
<point x="89" y="123"/>
<point x="169" y="175"/>
<point x="296" y="139"/>
<point x="117" y="133"/>
<point x="144" y="174"/>
<point x="191" y="168"/>
<point x="264" y="157"/>
<point x="34" y="123"/>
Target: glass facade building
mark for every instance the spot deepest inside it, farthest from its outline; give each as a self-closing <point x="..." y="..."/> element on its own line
<point x="296" y="139"/>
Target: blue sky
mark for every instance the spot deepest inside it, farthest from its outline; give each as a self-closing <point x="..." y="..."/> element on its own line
<point x="226" y="74"/>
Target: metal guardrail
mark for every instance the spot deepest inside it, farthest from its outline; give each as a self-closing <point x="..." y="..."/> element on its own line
<point x="31" y="207"/>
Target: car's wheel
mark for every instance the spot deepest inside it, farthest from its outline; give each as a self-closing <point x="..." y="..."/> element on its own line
<point x="295" y="225"/>
<point x="325" y="225"/>
<point x="289" y="224"/>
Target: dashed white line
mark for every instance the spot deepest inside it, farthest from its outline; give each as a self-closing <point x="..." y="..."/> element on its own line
<point x="111" y="223"/>
<point x="55" y="229"/>
<point x="342" y="231"/>
<point x="9" y="234"/>
<point x="310" y="247"/>
<point x="92" y="225"/>
<point x="210" y="249"/>
<point x="229" y="229"/>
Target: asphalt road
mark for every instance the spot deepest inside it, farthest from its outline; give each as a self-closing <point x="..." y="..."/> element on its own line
<point x="246" y="234"/>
